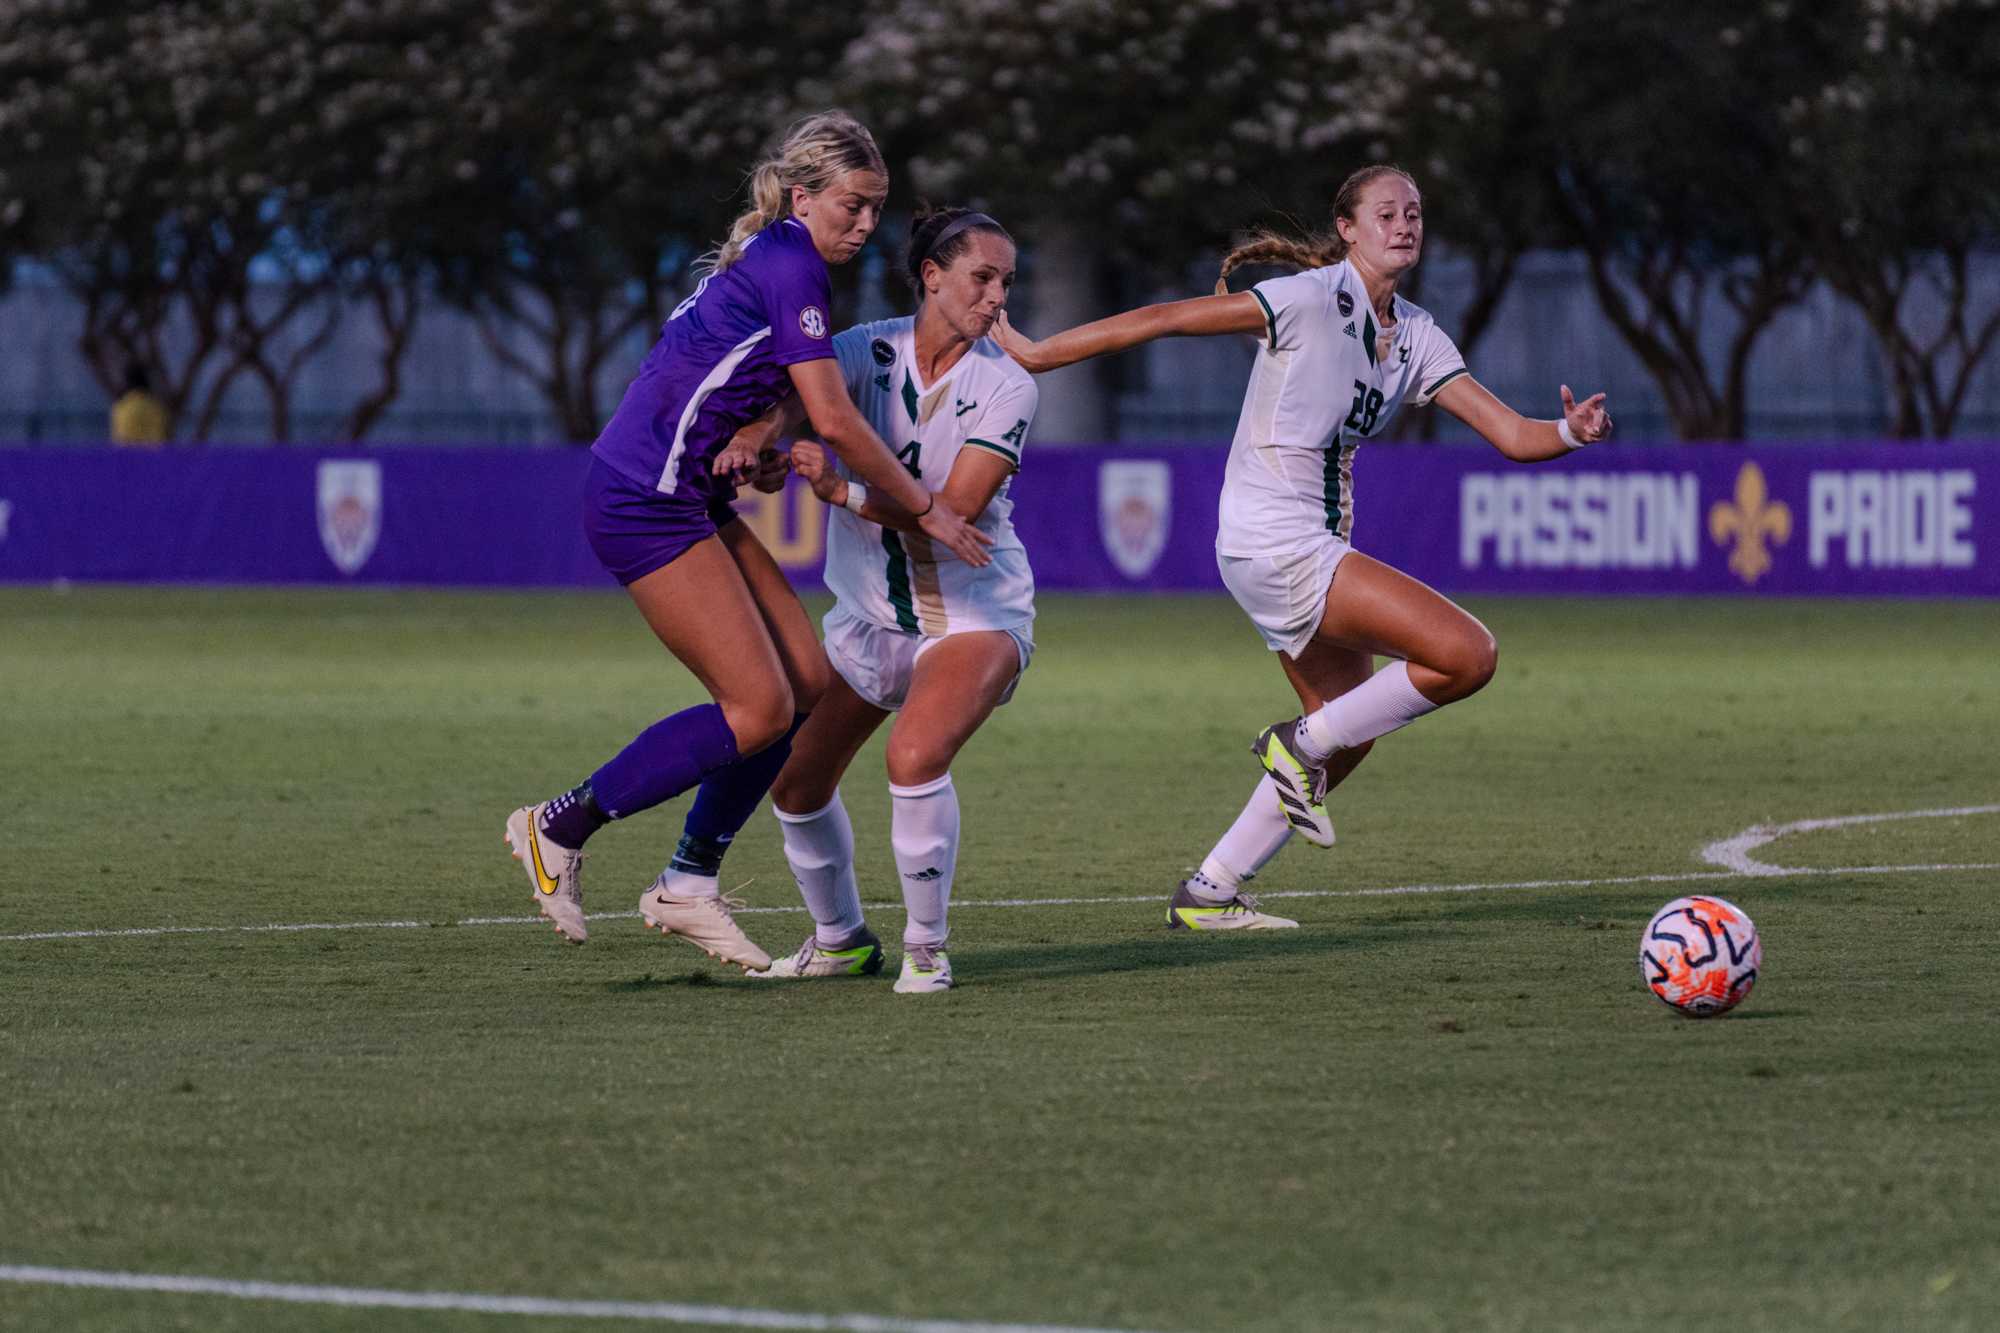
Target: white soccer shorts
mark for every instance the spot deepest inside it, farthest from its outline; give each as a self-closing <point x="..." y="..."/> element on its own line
<point x="878" y="662"/>
<point x="1285" y="595"/>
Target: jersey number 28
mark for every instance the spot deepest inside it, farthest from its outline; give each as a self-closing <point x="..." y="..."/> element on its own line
<point x="1367" y="402"/>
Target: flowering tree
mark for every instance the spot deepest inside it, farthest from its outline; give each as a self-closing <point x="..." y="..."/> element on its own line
<point x="594" y="150"/>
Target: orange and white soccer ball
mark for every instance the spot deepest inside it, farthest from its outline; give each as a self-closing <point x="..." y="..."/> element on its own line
<point x="1700" y="956"/>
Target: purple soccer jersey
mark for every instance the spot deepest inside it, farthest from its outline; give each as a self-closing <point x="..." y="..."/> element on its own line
<point x="720" y="363"/>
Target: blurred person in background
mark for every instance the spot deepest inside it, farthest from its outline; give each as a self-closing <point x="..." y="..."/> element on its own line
<point x="1338" y="354"/>
<point x="913" y="631"/>
<point x="657" y="514"/>
<point x="137" y="417"/>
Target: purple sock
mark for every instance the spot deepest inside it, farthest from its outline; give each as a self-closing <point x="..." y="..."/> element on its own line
<point x="727" y="799"/>
<point x="572" y="817"/>
<point x="664" y="760"/>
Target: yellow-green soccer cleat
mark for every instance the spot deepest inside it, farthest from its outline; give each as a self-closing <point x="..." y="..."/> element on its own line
<point x="555" y="872"/>
<point x="1301" y="786"/>
<point x="924" y="970"/>
<point x="1187" y="912"/>
<point x="707" y="923"/>
<point x="859" y="955"/>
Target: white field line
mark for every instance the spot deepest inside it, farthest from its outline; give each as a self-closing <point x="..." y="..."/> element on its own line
<point x="1733" y="854"/>
<point x="1386" y="891"/>
<point x="660" y="1312"/>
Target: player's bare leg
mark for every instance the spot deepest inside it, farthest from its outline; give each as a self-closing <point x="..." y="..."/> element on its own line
<point x="728" y="796"/>
<point x="1440" y="653"/>
<point x="702" y="610"/>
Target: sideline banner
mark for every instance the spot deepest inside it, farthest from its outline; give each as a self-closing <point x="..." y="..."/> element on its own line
<point x="1843" y="520"/>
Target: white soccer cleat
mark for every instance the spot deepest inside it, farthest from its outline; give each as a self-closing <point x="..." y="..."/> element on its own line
<point x="1187" y="912"/>
<point x="859" y="955"/>
<point x="925" y="970"/>
<point x="555" y="871"/>
<point x="1301" y="785"/>
<point x="705" y="922"/>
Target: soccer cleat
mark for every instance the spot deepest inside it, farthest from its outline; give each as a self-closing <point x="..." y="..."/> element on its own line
<point x="925" y="969"/>
<point x="555" y="872"/>
<point x="1301" y="786"/>
<point x="1187" y="912"/>
<point x="859" y="955"/>
<point x="707" y="923"/>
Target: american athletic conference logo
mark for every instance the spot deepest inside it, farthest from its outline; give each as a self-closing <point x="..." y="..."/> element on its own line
<point x="812" y="322"/>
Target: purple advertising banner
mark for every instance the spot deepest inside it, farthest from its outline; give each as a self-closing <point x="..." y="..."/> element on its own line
<point x="1845" y="520"/>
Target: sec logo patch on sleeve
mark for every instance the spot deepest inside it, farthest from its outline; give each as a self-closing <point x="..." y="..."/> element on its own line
<point x="812" y="322"/>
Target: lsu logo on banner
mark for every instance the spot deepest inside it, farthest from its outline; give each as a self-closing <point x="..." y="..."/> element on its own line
<point x="350" y="511"/>
<point x="1134" y="512"/>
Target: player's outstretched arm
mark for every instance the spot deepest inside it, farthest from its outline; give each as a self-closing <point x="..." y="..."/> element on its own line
<point x="839" y="423"/>
<point x="1199" y="317"/>
<point x="1524" y="439"/>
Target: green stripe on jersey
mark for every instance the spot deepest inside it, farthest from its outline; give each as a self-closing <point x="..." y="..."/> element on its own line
<point x="899" y="582"/>
<point x="999" y="449"/>
<point x="1432" y="391"/>
<point x="1330" y="488"/>
<point x="1270" y="319"/>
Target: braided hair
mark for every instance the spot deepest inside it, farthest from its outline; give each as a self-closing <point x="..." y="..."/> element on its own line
<point x="1315" y="249"/>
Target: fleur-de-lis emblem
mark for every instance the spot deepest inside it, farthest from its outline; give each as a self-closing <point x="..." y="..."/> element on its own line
<point x="1750" y="521"/>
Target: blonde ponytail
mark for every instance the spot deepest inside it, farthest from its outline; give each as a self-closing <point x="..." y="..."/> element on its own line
<point x="815" y="152"/>
<point x="1317" y="249"/>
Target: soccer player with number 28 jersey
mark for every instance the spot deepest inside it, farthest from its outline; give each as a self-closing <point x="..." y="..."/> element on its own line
<point x="1338" y="353"/>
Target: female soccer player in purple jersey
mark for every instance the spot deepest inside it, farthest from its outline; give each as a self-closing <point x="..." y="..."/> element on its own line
<point x="657" y="515"/>
<point x="1339" y="352"/>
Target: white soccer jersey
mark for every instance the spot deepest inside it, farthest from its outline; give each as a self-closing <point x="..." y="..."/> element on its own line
<point x="986" y="401"/>
<point x="1321" y="384"/>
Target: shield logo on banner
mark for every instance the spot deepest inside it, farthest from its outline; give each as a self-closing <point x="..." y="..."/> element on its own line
<point x="1134" y="513"/>
<point x="350" y="511"/>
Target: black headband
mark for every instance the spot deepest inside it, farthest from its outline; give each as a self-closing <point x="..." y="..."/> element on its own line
<point x="958" y="225"/>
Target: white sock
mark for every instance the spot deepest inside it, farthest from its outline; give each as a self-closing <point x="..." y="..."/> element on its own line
<point x="1377" y="706"/>
<point x="680" y="884"/>
<point x="923" y="827"/>
<point x="1258" y="834"/>
<point x="820" y="846"/>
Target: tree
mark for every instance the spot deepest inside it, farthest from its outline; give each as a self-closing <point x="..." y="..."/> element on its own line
<point x="590" y="152"/>
<point x="1675" y="181"/>
<point x="1904" y="144"/>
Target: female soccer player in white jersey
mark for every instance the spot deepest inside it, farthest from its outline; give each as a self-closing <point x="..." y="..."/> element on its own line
<point x="658" y="517"/>
<point x="1339" y="353"/>
<point x="914" y="631"/>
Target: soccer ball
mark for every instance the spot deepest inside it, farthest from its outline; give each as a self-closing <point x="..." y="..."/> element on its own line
<point x="1700" y="956"/>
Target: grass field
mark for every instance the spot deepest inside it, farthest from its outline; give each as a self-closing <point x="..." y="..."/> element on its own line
<point x="1423" y="1110"/>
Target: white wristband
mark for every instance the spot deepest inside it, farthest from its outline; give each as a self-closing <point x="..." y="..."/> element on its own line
<point x="857" y="495"/>
<point x="1567" y="436"/>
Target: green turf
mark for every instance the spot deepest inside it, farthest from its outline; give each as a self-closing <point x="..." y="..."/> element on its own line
<point x="1455" y="1110"/>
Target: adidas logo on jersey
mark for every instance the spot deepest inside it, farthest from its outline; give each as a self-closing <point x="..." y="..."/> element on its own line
<point x="1349" y="330"/>
<point x="882" y="382"/>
